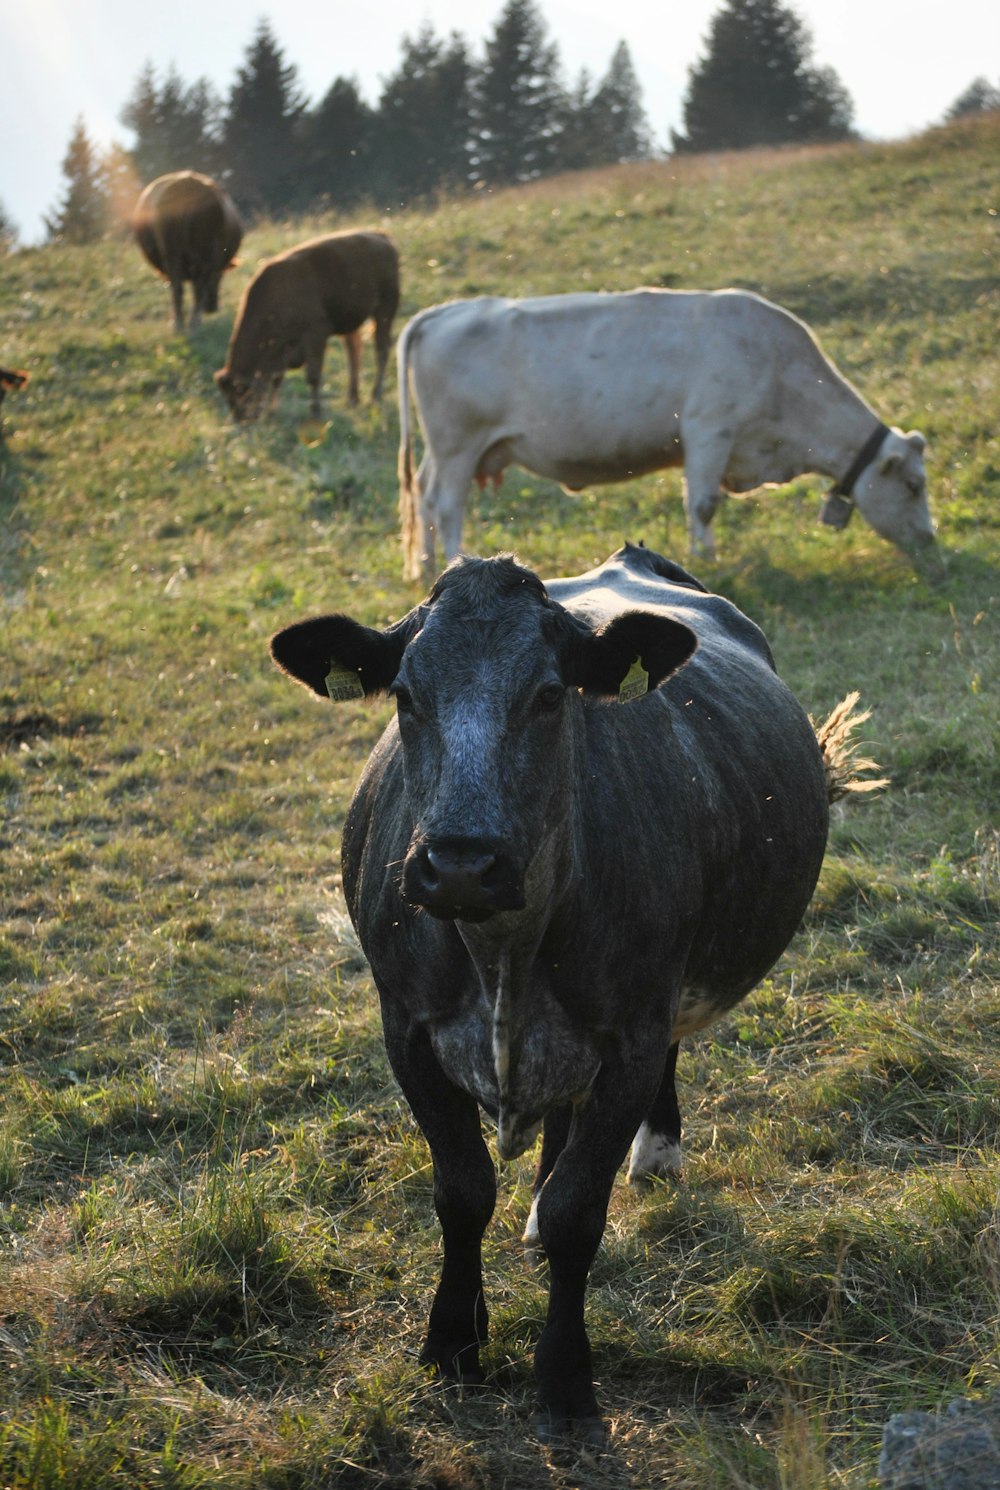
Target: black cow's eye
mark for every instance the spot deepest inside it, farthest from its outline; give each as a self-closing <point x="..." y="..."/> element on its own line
<point x="549" y="698"/>
<point x="403" y="697"/>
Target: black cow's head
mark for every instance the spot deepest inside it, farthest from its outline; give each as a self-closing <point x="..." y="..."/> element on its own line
<point x="485" y="674"/>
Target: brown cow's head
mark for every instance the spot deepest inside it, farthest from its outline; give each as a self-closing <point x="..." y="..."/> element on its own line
<point x="247" y="400"/>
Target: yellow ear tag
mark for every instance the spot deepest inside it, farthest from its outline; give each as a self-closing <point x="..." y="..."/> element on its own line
<point x="634" y="684"/>
<point x="343" y="684"/>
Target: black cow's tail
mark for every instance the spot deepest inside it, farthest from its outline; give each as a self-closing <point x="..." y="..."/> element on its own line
<point x="843" y="765"/>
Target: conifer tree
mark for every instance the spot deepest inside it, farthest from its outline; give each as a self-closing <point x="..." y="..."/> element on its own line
<point x="979" y="98"/>
<point x="262" y="129"/>
<point x="83" y="215"/>
<point x="176" y="126"/>
<point x="756" y="86"/>
<point x="336" y="147"/>
<point x="422" y="140"/>
<point x="519" y="103"/>
<point x="618" y="119"/>
<point x="8" y="231"/>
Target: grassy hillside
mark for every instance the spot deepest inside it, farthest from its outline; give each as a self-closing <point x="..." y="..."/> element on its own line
<point x="215" y="1211"/>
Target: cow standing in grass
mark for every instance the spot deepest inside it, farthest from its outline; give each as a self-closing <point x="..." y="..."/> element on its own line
<point x="587" y="388"/>
<point x="592" y="827"/>
<point x="294" y="303"/>
<point x="189" y="230"/>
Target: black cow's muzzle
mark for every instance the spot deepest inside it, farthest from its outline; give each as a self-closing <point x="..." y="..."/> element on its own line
<point x="462" y="879"/>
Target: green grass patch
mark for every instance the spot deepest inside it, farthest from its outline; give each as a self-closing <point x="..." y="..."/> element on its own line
<point x="216" y="1215"/>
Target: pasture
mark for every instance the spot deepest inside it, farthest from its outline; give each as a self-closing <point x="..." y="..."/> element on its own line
<point x="217" y="1236"/>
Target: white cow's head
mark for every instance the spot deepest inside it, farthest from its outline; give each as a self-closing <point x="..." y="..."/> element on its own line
<point x="891" y="492"/>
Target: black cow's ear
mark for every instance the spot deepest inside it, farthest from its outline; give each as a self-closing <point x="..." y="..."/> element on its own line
<point x="630" y="655"/>
<point x="340" y="659"/>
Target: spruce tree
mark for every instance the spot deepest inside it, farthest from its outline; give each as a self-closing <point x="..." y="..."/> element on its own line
<point x="176" y="126"/>
<point x="8" y="231"/>
<point x="422" y="127"/>
<point x="336" y="147"/>
<point x="83" y="215"/>
<point x="619" y="122"/>
<point x="519" y="103"/>
<point x="262" y="129"/>
<point x="755" y="86"/>
<point x="979" y="98"/>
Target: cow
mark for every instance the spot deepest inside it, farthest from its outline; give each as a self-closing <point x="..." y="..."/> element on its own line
<point x="326" y="287"/>
<point x="592" y="388"/>
<point x="10" y="378"/>
<point x="189" y="229"/>
<point x="591" y="827"/>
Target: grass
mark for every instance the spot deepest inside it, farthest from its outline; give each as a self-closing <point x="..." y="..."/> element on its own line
<point x="215" y="1209"/>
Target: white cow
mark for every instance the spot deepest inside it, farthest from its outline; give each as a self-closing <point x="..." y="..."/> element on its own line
<point x="591" y="388"/>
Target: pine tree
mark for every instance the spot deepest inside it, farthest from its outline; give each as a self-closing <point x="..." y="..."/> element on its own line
<point x="176" y="126"/>
<point x="979" y="98"/>
<point x="262" y="128"/>
<point x="756" y="86"/>
<point x="618" y="119"/>
<point x="336" y="147"/>
<point x="519" y="103"/>
<point x="422" y="126"/>
<point x="83" y="216"/>
<point x="8" y="231"/>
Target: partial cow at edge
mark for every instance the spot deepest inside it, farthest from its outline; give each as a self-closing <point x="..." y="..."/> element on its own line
<point x="188" y="228"/>
<point x="10" y="379"/>
<point x="326" y="287"/>
<point x="593" y="388"/>
<point x="566" y="852"/>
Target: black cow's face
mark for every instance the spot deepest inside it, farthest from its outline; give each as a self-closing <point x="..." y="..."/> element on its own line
<point x="484" y="718"/>
<point x="485" y="677"/>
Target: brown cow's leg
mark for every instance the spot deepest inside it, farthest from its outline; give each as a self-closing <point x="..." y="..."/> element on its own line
<point x="352" y="346"/>
<point x="177" y="295"/>
<point x="314" y="373"/>
<point x="383" y="342"/>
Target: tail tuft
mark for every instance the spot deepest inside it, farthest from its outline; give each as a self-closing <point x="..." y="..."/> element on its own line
<point x="840" y="752"/>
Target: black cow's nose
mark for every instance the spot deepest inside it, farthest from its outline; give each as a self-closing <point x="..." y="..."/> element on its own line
<point x="462" y="879"/>
<point x="458" y="872"/>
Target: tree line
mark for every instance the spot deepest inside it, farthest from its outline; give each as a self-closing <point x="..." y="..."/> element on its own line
<point x="446" y="121"/>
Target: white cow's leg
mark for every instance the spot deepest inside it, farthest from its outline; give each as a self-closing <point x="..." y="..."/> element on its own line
<point x="705" y="458"/>
<point x="441" y="507"/>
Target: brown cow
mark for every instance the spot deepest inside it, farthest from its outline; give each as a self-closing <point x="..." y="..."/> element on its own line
<point x="10" y="378"/>
<point x="327" y="287"/>
<point x="188" y="229"/>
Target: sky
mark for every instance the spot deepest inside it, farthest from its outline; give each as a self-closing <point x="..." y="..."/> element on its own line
<point x="903" y="62"/>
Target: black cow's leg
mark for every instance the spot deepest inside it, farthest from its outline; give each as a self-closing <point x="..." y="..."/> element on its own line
<point x="656" y="1149"/>
<point x="464" y="1197"/>
<point x="554" y="1136"/>
<point x="572" y="1210"/>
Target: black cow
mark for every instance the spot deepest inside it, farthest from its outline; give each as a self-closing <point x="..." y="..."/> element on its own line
<point x="591" y="828"/>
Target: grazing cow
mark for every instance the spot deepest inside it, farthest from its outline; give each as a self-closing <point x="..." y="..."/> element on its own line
<point x="591" y="828"/>
<point x="594" y="388"/>
<point x="10" y="378"/>
<point x="188" y="229"/>
<point x="327" y="287"/>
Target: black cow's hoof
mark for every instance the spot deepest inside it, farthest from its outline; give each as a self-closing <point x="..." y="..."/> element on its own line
<point x="457" y="1367"/>
<point x="590" y="1432"/>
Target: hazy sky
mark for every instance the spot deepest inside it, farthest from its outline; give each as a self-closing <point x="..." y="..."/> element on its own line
<point x="902" y="61"/>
